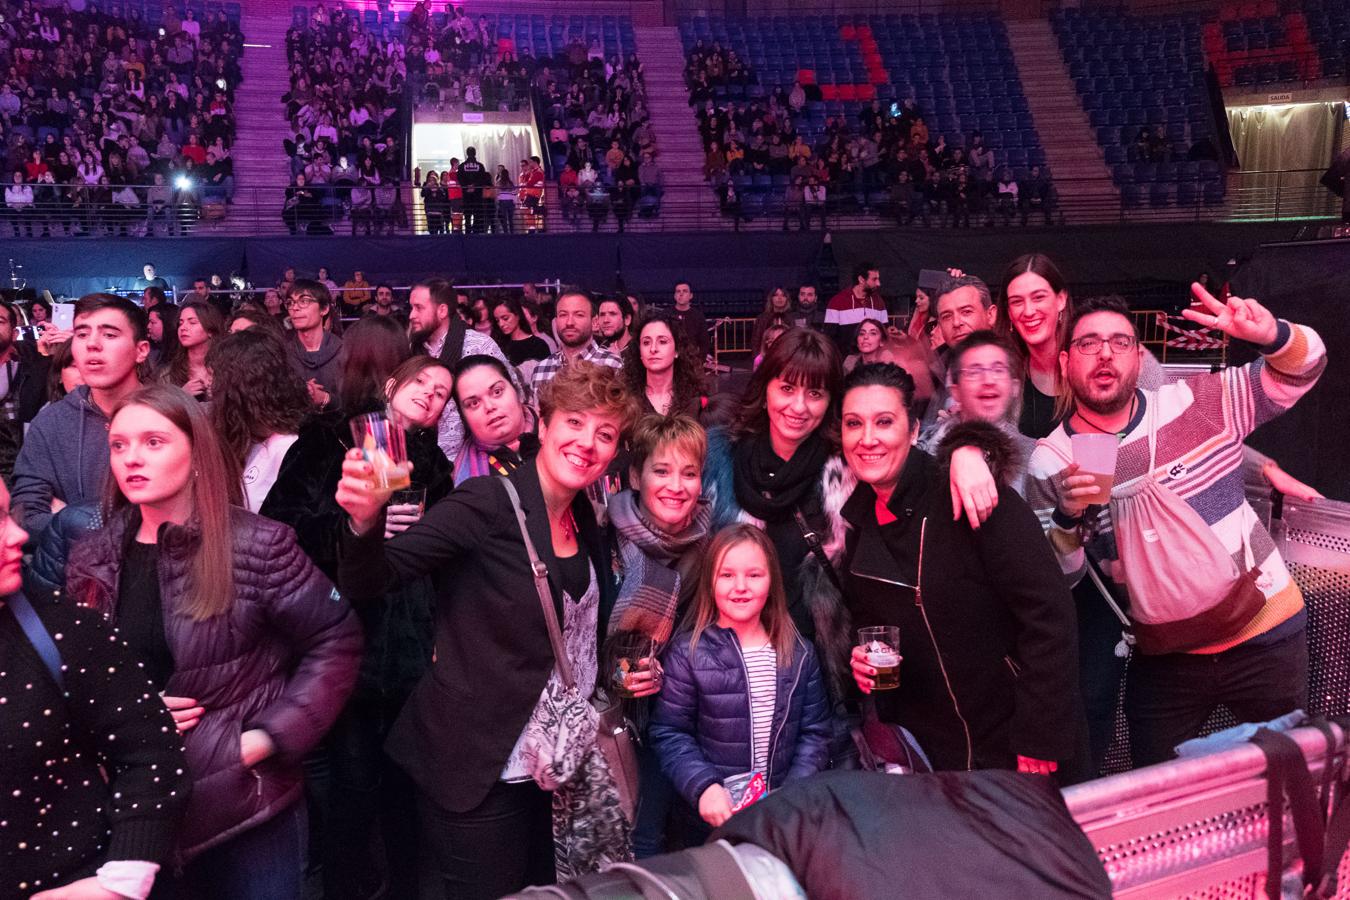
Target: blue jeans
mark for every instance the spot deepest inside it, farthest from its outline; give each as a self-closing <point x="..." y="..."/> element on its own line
<point x="656" y="797"/>
<point x="266" y="862"/>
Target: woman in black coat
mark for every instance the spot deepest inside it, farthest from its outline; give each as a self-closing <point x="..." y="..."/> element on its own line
<point x="461" y="737"/>
<point x="988" y="635"/>
<point x="125" y="788"/>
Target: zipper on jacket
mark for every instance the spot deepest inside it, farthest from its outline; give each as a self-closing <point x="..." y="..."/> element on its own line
<point x="932" y="638"/>
<point x="749" y="702"/>
<point x="258" y="779"/>
<point x="787" y="710"/>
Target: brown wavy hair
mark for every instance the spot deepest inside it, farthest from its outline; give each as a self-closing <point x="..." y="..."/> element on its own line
<point x="587" y="387"/>
<point x="689" y="382"/>
<point x="215" y="486"/>
<point x="254" y="391"/>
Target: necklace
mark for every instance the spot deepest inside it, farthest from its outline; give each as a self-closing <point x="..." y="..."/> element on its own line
<point x="568" y="523"/>
<point x="1095" y="427"/>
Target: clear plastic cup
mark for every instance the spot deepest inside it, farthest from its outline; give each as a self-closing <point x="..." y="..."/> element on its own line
<point x="384" y="446"/>
<point x="881" y="643"/>
<point x="1096" y="456"/>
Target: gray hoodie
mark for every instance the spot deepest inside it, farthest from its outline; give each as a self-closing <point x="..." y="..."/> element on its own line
<point x="64" y="456"/>
<point x="322" y="364"/>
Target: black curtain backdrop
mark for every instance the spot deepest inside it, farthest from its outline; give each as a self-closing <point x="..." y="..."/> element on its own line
<point x="1308" y="283"/>
<point x="1129" y="259"/>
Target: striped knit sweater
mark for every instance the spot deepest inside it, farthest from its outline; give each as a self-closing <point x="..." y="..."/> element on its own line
<point x="1202" y="422"/>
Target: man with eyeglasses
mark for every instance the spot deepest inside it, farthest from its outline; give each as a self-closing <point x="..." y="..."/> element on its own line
<point x="313" y="350"/>
<point x="985" y="382"/>
<point x="1259" y="669"/>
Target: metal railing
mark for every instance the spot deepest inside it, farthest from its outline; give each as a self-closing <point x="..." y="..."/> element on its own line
<point x="678" y="206"/>
<point x="732" y="337"/>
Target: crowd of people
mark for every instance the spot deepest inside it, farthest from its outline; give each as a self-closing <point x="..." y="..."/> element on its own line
<point x="886" y="161"/>
<point x="316" y="675"/>
<point x="110" y="125"/>
<point x="460" y="63"/>
<point x="600" y="136"/>
<point x="348" y="113"/>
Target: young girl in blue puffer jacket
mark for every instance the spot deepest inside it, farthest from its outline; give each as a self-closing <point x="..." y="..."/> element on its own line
<point x="742" y="693"/>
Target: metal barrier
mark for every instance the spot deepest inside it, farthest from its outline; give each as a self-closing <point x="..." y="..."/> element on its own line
<point x="733" y="336"/>
<point x="198" y="209"/>
<point x="1194" y="827"/>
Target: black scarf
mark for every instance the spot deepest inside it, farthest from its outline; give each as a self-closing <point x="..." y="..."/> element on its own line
<point x="769" y="488"/>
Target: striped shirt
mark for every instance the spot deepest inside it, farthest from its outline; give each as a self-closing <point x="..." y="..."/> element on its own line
<point x="761" y="666"/>
<point x="1201" y="423"/>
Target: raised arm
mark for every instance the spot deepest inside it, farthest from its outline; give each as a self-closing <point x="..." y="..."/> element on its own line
<point x="369" y="566"/>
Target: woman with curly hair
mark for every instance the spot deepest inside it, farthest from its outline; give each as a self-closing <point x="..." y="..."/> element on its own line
<point x="291" y="459"/>
<point x="662" y="369"/>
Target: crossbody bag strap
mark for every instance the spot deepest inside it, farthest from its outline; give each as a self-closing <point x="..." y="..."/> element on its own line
<point x="37" y="636"/>
<point x="540" y="571"/>
<point x="817" y="549"/>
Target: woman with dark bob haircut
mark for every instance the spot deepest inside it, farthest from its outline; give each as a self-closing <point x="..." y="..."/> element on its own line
<point x="487" y="819"/>
<point x="777" y="465"/>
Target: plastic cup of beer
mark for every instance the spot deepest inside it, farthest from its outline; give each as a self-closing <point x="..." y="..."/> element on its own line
<point x="629" y="654"/>
<point x="881" y="643"/>
<point x="384" y="446"/>
<point x="1096" y="456"/>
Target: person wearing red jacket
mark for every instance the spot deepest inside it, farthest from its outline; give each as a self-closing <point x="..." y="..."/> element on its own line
<point x="848" y="308"/>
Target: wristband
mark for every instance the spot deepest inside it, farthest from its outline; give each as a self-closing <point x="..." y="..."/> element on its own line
<point x="1064" y="521"/>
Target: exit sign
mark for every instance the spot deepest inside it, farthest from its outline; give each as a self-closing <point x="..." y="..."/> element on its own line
<point x="1286" y="97"/>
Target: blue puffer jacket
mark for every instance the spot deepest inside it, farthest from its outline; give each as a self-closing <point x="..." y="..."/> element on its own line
<point x="701" y="728"/>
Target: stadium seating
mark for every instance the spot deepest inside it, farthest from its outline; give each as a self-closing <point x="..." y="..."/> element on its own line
<point x="1134" y="73"/>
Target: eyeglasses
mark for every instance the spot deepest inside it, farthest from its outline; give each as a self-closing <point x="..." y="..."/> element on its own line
<point x="995" y="372"/>
<point x="300" y="300"/>
<point x="1091" y="345"/>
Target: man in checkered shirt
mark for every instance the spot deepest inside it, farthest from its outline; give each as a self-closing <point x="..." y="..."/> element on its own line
<point x="575" y="311"/>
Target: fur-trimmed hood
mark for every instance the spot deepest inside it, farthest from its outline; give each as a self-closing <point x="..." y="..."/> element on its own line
<point x="819" y="588"/>
<point x="1005" y="453"/>
<point x="836" y="486"/>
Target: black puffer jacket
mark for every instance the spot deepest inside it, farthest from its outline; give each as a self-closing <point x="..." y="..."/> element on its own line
<point x="284" y="659"/>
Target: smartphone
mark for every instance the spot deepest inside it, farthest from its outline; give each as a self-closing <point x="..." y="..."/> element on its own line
<point x="63" y="316"/>
<point x="931" y="279"/>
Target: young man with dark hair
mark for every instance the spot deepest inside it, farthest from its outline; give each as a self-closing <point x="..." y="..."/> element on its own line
<point x="689" y="316"/>
<point x="575" y="315"/>
<point x="438" y="330"/>
<point x="385" y="304"/>
<point x="64" y="460"/>
<point x="848" y="308"/>
<point x="313" y="349"/>
<point x="613" y="320"/>
<point x="1187" y="437"/>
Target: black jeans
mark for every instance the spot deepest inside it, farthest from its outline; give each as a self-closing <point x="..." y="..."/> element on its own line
<point x="355" y="793"/>
<point x="499" y="847"/>
<point x="1169" y="697"/>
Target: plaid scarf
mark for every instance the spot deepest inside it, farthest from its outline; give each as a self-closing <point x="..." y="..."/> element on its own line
<point x="649" y="595"/>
